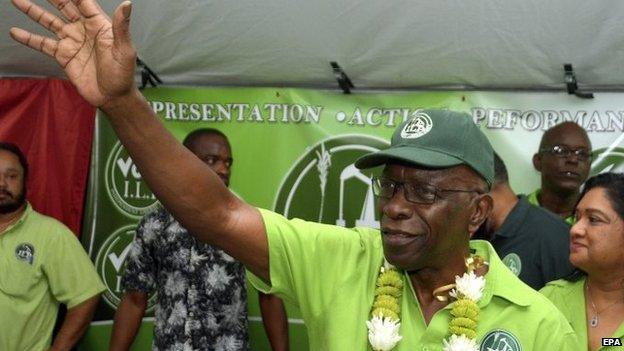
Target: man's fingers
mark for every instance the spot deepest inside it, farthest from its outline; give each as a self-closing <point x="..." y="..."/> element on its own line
<point x="39" y="15"/>
<point x="89" y="8"/>
<point x="40" y="43"/>
<point x="122" y="45"/>
<point x="121" y="25"/>
<point x="67" y="8"/>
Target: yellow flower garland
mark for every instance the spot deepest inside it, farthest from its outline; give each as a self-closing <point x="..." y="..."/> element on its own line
<point x="389" y="288"/>
<point x="465" y="311"/>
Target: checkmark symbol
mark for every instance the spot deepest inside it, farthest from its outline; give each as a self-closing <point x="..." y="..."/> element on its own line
<point x="117" y="261"/>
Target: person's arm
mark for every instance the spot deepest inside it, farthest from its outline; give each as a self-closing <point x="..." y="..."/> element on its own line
<point x="128" y="320"/>
<point x="275" y="321"/>
<point x="99" y="59"/>
<point x="75" y="324"/>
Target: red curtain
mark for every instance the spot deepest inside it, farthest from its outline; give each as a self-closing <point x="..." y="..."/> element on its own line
<point x="53" y="126"/>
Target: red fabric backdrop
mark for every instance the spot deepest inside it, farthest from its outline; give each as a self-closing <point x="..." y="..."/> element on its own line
<point x="53" y="126"/>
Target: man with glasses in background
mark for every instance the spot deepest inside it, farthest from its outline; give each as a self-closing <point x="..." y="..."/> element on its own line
<point x="564" y="160"/>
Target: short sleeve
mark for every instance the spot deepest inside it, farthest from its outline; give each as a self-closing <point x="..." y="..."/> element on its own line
<point x="140" y="271"/>
<point x="71" y="275"/>
<point x="309" y="261"/>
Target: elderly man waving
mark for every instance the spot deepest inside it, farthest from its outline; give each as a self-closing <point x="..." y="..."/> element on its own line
<point x="419" y="283"/>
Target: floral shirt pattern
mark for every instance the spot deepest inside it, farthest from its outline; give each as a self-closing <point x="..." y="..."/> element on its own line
<point x="201" y="291"/>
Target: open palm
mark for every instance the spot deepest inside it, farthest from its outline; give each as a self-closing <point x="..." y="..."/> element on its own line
<point x="97" y="55"/>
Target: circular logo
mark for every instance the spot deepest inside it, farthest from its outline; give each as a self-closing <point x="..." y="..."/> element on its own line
<point x="607" y="160"/>
<point x="324" y="186"/>
<point x="124" y="185"/>
<point x="110" y="264"/>
<point x="419" y="125"/>
<point x="25" y="252"/>
<point x="500" y="340"/>
<point x="513" y="262"/>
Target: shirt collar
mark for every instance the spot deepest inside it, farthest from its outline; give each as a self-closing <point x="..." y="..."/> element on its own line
<point x="499" y="277"/>
<point x="532" y="198"/>
<point x="27" y="211"/>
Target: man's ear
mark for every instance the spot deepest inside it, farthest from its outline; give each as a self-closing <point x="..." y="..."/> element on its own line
<point x="537" y="162"/>
<point x="482" y="210"/>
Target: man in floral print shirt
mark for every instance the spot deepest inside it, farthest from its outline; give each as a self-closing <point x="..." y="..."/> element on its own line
<point x="201" y="293"/>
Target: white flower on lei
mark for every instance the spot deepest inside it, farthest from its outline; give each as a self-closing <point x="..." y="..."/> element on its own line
<point x="386" y="265"/>
<point x="383" y="333"/>
<point x="460" y="343"/>
<point x="468" y="286"/>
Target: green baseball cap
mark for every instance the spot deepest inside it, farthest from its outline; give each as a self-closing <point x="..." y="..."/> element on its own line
<point x="437" y="139"/>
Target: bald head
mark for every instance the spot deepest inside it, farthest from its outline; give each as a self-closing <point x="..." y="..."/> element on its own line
<point x="568" y="129"/>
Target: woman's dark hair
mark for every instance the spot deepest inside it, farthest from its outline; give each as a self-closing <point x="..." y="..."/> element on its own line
<point x="613" y="184"/>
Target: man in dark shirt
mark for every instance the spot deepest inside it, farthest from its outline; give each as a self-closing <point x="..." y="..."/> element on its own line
<point x="531" y="241"/>
<point x="563" y="160"/>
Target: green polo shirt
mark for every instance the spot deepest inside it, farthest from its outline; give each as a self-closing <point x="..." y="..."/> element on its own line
<point x="42" y="264"/>
<point x="533" y="200"/>
<point x="569" y="297"/>
<point x="329" y="272"/>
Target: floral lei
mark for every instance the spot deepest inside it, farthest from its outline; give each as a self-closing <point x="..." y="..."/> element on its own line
<point x="384" y="325"/>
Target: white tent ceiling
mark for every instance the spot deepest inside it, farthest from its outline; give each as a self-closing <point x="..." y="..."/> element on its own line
<point x="380" y="44"/>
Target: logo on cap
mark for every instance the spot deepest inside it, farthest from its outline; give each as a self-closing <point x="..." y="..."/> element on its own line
<point x="419" y="125"/>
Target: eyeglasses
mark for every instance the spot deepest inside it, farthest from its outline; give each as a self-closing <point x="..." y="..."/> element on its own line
<point x="564" y="152"/>
<point x="418" y="193"/>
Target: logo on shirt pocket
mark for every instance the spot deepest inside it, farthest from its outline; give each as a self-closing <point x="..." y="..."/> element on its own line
<point x="25" y="252"/>
<point x="500" y="340"/>
<point x="513" y="262"/>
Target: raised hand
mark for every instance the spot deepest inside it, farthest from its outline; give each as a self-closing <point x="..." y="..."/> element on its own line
<point x="97" y="56"/>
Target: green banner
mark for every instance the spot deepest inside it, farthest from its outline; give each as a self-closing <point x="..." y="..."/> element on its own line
<point x="294" y="151"/>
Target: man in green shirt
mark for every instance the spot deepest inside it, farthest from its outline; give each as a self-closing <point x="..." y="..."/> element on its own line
<point x="563" y="160"/>
<point x="42" y="264"/>
<point x="432" y="198"/>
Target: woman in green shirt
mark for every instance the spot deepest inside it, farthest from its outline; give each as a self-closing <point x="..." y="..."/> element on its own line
<point x="592" y="299"/>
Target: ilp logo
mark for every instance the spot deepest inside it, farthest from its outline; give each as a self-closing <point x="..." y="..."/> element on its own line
<point x="25" y="252"/>
<point x="500" y="340"/>
<point x="419" y="125"/>
<point x="124" y="185"/>
<point x="324" y="185"/>
<point x="110" y="264"/>
<point x="514" y="263"/>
